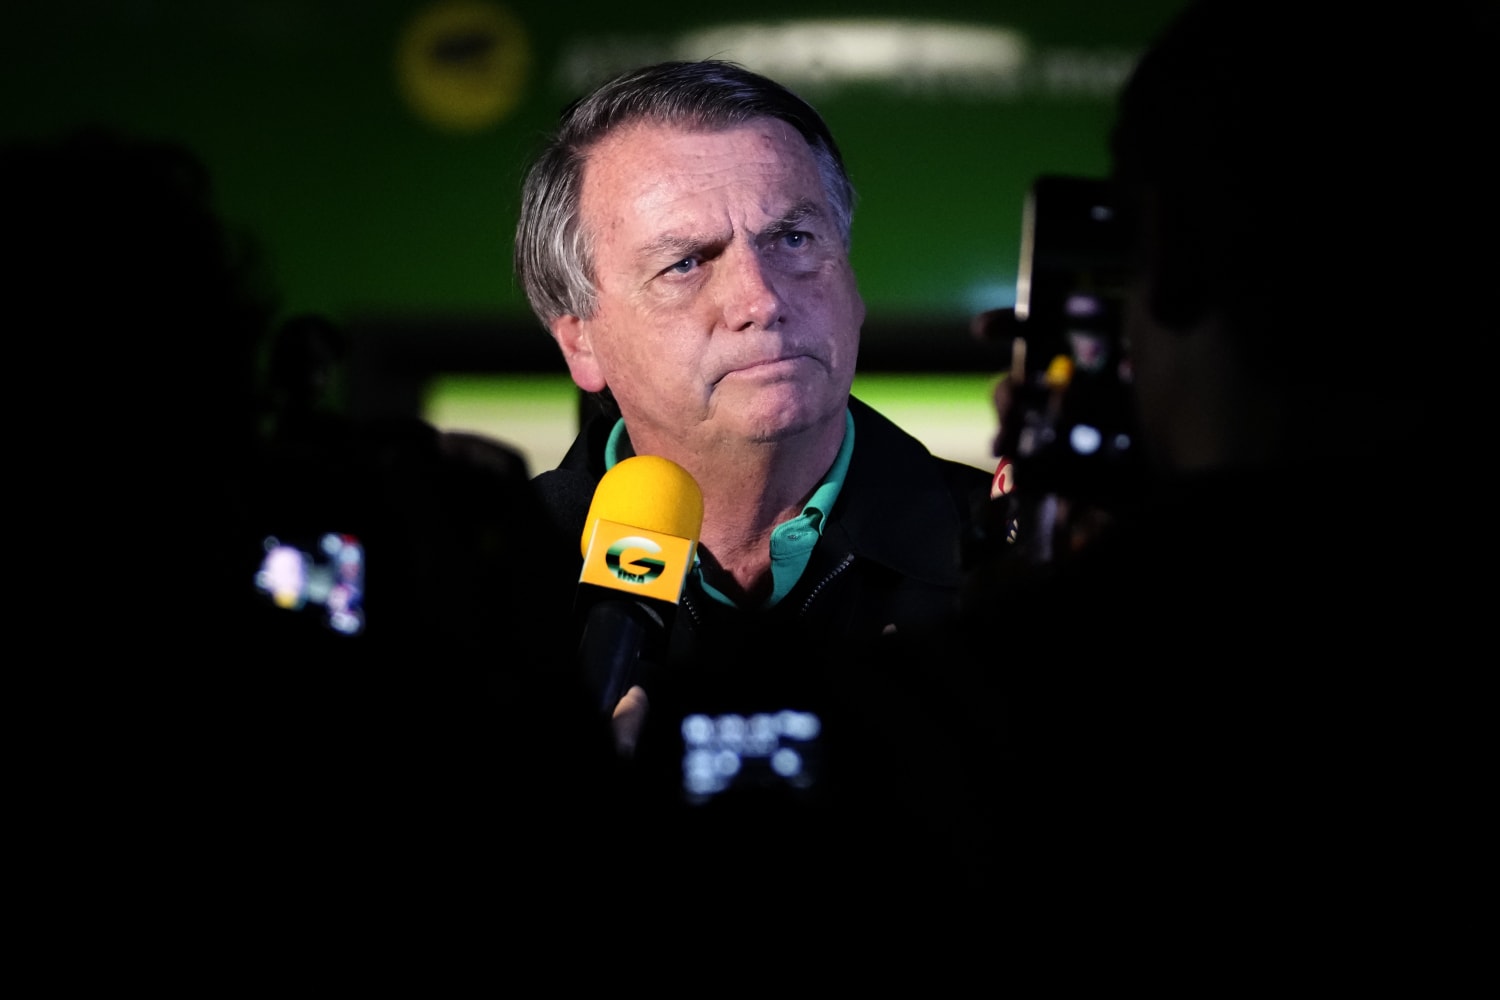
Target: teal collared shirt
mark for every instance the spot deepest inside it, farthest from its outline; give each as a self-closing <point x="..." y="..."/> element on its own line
<point x="792" y="541"/>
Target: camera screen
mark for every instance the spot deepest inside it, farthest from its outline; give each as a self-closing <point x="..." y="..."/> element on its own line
<point x="762" y="750"/>
<point x="325" y="574"/>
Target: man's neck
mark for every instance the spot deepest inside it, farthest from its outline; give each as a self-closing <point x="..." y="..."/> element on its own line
<point x="748" y="489"/>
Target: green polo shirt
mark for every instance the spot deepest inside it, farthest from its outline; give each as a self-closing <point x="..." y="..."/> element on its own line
<point x="792" y="541"/>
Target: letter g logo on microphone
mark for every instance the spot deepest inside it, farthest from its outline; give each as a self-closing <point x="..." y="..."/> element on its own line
<point x="641" y="533"/>
<point x="638" y="561"/>
<point x="641" y="569"/>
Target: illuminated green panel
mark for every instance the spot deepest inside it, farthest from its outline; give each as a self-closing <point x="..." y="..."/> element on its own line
<point x="951" y="414"/>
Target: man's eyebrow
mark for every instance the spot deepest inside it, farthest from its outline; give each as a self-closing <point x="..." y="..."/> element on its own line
<point x="793" y="219"/>
<point x="679" y="245"/>
<point x="676" y="245"/>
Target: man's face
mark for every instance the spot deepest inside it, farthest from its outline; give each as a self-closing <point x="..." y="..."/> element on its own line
<point x="727" y="309"/>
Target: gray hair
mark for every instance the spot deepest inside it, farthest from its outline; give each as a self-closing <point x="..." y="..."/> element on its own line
<point x="554" y="250"/>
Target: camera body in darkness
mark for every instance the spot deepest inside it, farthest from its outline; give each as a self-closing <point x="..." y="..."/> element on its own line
<point x="1070" y="432"/>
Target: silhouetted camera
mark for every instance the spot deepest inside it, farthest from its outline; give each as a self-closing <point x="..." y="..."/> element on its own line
<point x="1071" y="430"/>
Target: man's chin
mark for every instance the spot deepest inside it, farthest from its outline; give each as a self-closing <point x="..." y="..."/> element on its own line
<point x="789" y="421"/>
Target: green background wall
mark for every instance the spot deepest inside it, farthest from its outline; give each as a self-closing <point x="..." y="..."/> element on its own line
<point x="370" y="209"/>
<point x="375" y="150"/>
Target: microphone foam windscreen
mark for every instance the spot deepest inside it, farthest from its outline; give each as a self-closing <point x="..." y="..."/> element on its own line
<point x="647" y="492"/>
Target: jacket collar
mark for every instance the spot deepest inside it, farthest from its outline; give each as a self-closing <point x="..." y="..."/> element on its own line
<point x="900" y="506"/>
<point x="896" y="499"/>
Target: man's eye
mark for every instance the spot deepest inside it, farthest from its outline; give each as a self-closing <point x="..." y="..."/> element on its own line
<point x="796" y="240"/>
<point x="683" y="266"/>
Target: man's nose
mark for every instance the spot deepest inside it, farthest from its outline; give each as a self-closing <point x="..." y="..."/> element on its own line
<point x="747" y="290"/>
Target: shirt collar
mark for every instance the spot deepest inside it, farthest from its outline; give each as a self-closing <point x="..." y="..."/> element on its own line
<point x="792" y="541"/>
<point x="822" y="499"/>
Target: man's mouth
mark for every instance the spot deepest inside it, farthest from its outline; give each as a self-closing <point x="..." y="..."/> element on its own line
<point x="764" y="366"/>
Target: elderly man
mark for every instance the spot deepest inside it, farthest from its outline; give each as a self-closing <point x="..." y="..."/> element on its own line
<point x="684" y="237"/>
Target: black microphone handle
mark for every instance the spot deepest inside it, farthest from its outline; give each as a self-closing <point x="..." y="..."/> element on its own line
<point x="614" y="634"/>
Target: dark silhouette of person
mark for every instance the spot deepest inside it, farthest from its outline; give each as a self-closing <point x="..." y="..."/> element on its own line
<point x="1233" y="716"/>
<point x="224" y="754"/>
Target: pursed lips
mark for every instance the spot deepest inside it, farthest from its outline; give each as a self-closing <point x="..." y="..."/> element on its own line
<point x="752" y="365"/>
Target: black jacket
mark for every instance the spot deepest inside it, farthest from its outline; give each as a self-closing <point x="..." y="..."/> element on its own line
<point x="892" y="553"/>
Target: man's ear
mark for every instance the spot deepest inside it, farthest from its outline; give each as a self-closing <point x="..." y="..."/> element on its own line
<point x="572" y="334"/>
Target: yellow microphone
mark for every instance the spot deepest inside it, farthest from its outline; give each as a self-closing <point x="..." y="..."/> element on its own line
<point x="641" y="532"/>
<point x="639" y="541"/>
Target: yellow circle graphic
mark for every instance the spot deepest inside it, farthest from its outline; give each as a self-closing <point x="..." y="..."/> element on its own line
<point x="462" y="64"/>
